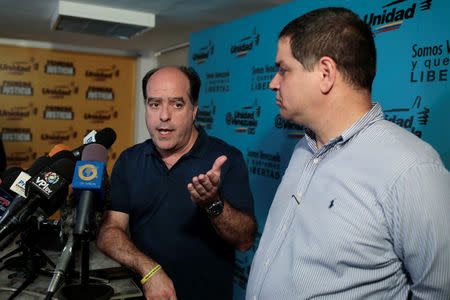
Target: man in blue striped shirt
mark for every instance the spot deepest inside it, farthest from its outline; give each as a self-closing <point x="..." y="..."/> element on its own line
<point x="362" y="211"/>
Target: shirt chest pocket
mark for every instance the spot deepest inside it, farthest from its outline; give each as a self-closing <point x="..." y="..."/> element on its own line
<point x="340" y="230"/>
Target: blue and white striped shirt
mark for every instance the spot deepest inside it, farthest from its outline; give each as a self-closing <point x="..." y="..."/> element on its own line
<point x="366" y="216"/>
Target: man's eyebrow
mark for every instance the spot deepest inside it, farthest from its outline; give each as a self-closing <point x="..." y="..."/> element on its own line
<point x="153" y="99"/>
<point x="177" y="99"/>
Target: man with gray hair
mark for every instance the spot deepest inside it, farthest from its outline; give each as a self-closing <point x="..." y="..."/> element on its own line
<point x="184" y="196"/>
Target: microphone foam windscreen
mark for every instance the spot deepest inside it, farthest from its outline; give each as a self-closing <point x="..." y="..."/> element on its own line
<point x="95" y="152"/>
<point x="105" y="137"/>
<point x="57" y="149"/>
<point x="64" y="167"/>
<point x="63" y="154"/>
<point x="38" y="165"/>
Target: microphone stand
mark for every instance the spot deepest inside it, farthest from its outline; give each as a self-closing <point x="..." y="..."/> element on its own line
<point x="86" y="289"/>
<point x="31" y="260"/>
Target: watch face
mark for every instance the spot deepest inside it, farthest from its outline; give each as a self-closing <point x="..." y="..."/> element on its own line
<point x="215" y="208"/>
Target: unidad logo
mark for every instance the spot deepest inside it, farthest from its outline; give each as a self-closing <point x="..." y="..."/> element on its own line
<point x="246" y="117"/>
<point x="57" y="92"/>
<point x="19" y="67"/>
<point x="56" y="136"/>
<point x="18" y="158"/>
<point x="412" y="119"/>
<point x="205" y="115"/>
<point x="102" y="74"/>
<point x="18" y="112"/>
<point x="294" y="131"/>
<point x="394" y="14"/>
<point x="98" y="117"/>
<point x="200" y="56"/>
<point x="246" y="44"/>
<point x="59" y="136"/>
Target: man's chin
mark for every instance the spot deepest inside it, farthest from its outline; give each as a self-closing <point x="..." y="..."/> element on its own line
<point x="165" y="149"/>
<point x="284" y="114"/>
<point x="162" y="143"/>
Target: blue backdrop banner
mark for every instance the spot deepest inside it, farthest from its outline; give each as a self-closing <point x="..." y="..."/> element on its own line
<point x="236" y="64"/>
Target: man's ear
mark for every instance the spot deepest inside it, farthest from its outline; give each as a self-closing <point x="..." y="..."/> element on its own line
<point x="195" y="109"/>
<point x="327" y="68"/>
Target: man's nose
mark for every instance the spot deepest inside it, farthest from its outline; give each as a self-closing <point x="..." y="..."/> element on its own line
<point x="275" y="83"/>
<point x="164" y="113"/>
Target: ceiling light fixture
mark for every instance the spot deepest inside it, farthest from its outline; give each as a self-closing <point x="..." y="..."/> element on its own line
<point x="100" y="20"/>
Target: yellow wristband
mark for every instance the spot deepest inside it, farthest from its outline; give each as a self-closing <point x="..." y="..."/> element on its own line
<point x="150" y="274"/>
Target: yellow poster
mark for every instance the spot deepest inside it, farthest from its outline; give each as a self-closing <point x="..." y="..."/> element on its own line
<point x="50" y="97"/>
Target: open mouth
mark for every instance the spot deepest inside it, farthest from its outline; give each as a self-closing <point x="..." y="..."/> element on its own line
<point x="164" y="131"/>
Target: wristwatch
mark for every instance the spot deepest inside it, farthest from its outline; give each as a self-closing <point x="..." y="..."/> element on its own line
<point x="215" y="208"/>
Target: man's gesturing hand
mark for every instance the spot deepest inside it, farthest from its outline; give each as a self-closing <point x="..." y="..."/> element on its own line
<point x="204" y="189"/>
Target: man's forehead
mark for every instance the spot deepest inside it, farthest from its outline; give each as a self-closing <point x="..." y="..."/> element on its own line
<point x="168" y="78"/>
<point x="284" y="43"/>
<point x="170" y="73"/>
<point x="283" y="50"/>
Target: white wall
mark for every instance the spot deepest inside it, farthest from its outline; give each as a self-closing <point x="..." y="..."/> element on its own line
<point x="178" y="57"/>
<point x="144" y="63"/>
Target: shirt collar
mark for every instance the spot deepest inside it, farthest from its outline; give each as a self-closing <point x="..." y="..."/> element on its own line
<point x="373" y="115"/>
<point x="197" y="150"/>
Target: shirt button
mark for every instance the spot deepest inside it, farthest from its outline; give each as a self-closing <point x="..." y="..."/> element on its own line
<point x="254" y="298"/>
<point x="267" y="262"/>
<point x="299" y="195"/>
<point x="316" y="160"/>
<point x="283" y="229"/>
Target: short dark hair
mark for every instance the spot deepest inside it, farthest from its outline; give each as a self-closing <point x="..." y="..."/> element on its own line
<point x="191" y="74"/>
<point x="340" y="34"/>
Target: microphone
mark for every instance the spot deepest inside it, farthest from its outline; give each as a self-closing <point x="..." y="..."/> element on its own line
<point x="5" y="195"/>
<point x="18" y="186"/>
<point x="5" y="201"/>
<point x="12" y="219"/>
<point x="88" y="185"/>
<point x="50" y="184"/>
<point x="8" y="176"/>
<point x="58" y="148"/>
<point x="61" y="268"/>
<point x="105" y="137"/>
